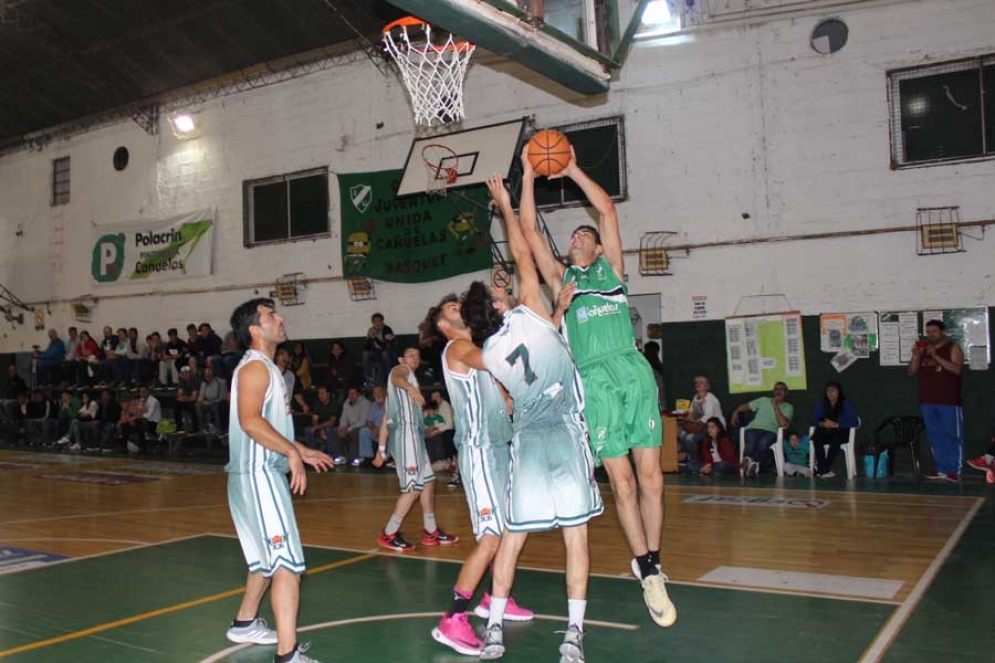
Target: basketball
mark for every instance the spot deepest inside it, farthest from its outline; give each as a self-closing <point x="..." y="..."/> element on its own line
<point x="548" y="152"/>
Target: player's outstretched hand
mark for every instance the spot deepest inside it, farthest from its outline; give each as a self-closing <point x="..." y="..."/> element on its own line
<point x="570" y="169"/>
<point x="298" y="477"/>
<point x="379" y="460"/>
<point x="417" y="396"/>
<point x="319" y="460"/>
<point x="498" y="192"/>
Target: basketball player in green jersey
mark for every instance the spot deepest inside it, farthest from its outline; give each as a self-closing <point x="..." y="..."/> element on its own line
<point x="621" y="408"/>
<point x="263" y="451"/>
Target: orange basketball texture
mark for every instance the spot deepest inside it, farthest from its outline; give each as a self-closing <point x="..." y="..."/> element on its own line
<point x="548" y="152"/>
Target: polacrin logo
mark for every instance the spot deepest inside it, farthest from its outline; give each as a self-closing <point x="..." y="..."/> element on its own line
<point x="108" y="258"/>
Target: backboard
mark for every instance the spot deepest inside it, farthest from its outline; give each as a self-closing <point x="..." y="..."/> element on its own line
<point x="461" y="158"/>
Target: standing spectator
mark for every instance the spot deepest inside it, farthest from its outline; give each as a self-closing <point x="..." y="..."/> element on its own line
<point x="187" y="391"/>
<point x="50" y="359"/>
<point x="88" y="357"/>
<point x="439" y="433"/>
<point x="340" y="369"/>
<point x="377" y="355"/>
<point x="704" y="406"/>
<point x="355" y="411"/>
<point x="769" y="414"/>
<point x="834" y="417"/>
<point x="300" y="364"/>
<point x="796" y="454"/>
<point x="175" y="351"/>
<point x="717" y="451"/>
<point x="938" y="362"/>
<point x="324" y="417"/>
<point x="368" y="434"/>
<point x="212" y="394"/>
<point x="652" y="353"/>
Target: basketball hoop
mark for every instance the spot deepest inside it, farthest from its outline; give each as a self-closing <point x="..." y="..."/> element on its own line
<point x="431" y="71"/>
<point x="441" y="166"/>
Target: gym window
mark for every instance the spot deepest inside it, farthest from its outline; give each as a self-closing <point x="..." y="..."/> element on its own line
<point x="943" y="113"/>
<point x="60" y="181"/>
<point x="600" y="149"/>
<point x="285" y="208"/>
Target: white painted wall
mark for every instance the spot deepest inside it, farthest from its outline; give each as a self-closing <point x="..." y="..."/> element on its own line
<point x="743" y="119"/>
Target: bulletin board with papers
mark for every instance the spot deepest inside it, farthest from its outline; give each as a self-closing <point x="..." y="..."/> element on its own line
<point x="899" y="331"/>
<point x="762" y="350"/>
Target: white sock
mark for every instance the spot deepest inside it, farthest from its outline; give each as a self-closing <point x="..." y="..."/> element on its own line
<point x="575" y="612"/>
<point x="497" y="611"/>
<point x="393" y="525"/>
<point x="989" y="458"/>
<point x="430" y="524"/>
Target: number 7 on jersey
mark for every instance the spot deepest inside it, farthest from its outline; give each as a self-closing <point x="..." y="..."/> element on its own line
<point x="522" y="352"/>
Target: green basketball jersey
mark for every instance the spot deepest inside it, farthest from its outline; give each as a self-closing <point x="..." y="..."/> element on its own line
<point x="597" y="323"/>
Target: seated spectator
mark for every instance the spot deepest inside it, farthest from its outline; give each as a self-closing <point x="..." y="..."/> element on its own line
<point x="208" y="345"/>
<point x="173" y="358"/>
<point x="88" y="357"/>
<point x="355" y="412"/>
<point x="109" y="418"/>
<point x="231" y="354"/>
<point x="834" y="416"/>
<point x="439" y="431"/>
<point x="341" y="372"/>
<point x="769" y="414"/>
<point x="324" y="418"/>
<point x="210" y="399"/>
<point x="368" y="434"/>
<point x="38" y="415"/>
<point x="107" y="346"/>
<point x="187" y="391"/>
<point x="50" y="359"/>
<point x="704" y="406"/>
<point x="141" y="421"/>
<point x="18" y="414"/>
<point x="377" y="356"/>
<point x="295" y="394"/>
<point x="15" y="385"/>
<point x="151" y="354"/>
<point x="193" y="339"/>
<point x="83" y="425"/>
<point x="119" y="362"/>
<point x="300" y="364"/>
<point x="716" y="450"/>
<point x="796" y="455"/>
<point x="652" y="353"/>
<point x="65" y="414"/>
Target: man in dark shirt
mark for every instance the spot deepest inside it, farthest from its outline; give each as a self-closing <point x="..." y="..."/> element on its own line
<point x="324" y="417"/>
<point x="340" y="370"/>
<point x="8" y="397"/>
<point x="174" y="353"/>
<point x="377" y="360"/>
<point x="109" y="416"/>
<point x="208" y="344"/>
<point x="187" y="391"/>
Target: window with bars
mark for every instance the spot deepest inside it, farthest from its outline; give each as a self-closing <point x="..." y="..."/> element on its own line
<point x="60" y="181"/>
<point x="943" y="113"/>
<point x="600" y="149"/>
<point x="285" y="208"/>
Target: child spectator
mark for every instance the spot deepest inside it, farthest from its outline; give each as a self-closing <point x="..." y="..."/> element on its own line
<point x="796" y="450"/>
<point x="716" y="452"/>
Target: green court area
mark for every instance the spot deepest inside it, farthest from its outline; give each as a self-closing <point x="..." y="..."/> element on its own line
<point x="172" y="602"/>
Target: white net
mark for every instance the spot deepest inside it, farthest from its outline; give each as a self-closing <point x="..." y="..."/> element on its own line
<point x="432" y="72"/>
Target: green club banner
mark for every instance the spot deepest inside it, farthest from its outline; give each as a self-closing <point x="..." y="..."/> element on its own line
<point x="153" y="251"/>
<point x="413" y="239"/>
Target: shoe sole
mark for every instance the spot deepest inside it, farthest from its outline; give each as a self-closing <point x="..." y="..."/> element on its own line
<point x="440" y="637"/>
<point x="570" y="654"/>
<point x="244" y="640"/>
<point x="432" y="544"/>
<point x="390" y="547"/>
<point x="980" y="468"/>
<point x="484" y="613"/>
<point x="491" y="656"/>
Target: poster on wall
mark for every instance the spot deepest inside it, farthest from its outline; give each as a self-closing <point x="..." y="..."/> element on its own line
<point x="966" y="326"/>
<point x="856" y="331"/>
<point x="153" y="251"/>
<point x="764" y="349"/>
<point x="412" y="239"/>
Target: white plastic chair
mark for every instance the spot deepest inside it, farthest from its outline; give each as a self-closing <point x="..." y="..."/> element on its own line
<point x="777" y="448"/>
<point x="849" y="449"/>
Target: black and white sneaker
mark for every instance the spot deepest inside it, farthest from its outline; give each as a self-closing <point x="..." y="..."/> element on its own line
<point x="257" y="632"/>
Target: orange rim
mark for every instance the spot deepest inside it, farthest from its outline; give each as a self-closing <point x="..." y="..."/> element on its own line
<point x="410" y="21"/>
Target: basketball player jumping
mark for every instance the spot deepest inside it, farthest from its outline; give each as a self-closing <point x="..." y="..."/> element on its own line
<point x="406" y="437"/>
<point x="552" y="470"/>
<point x="483" y="436"/>
<point x="262" y="453"/>
<point x="622" y="411"/>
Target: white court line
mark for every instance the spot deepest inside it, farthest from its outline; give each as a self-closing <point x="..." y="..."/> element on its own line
<point x="214" y="658"/>
<point x="820" y="583"/>
<point x="891" y="629"/>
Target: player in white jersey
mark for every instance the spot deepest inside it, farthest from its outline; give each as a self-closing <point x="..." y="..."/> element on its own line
<point x="483" y="438"/>
<point x="262" y="452"/>
<point x="552" y="473"/>
<point x="406" y="438"/>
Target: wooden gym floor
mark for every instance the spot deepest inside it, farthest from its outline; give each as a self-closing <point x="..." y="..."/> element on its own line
<point x="115" y="559"/>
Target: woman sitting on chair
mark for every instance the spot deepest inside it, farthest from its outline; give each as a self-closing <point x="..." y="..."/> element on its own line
<point x="834" y="416"/>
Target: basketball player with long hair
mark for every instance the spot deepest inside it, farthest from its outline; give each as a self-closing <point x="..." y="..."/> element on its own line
<point x="552" y="471"/>
<point x="483" y="439"/>
<point x="622" y="409"/>
<point x="262" y="452"/>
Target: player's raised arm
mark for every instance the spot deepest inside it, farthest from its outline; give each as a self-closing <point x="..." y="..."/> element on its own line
<point x="550" y="268"/>
<point x="611" y="238"/>
<point x="528" y="277"/>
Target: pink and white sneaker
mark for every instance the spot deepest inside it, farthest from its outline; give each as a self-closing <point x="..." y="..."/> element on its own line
<point x="456" y="633"/>
<point x="512" y="612"/>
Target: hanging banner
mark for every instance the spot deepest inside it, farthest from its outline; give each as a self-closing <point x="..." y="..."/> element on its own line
<point x="153" y="251"/>
<point x="413" y="239"/>
<point x="762" y="350"/>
